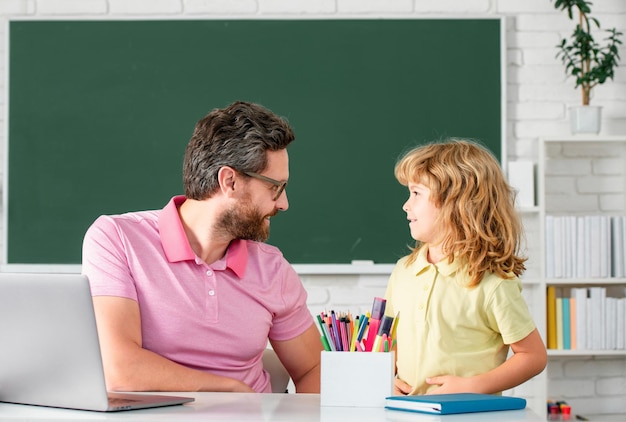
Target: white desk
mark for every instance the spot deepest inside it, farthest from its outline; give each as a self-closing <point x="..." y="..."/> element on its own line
<point x="240" y="407"/>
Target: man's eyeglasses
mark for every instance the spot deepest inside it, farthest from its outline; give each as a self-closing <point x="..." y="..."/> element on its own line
<point x="279" y="186"/>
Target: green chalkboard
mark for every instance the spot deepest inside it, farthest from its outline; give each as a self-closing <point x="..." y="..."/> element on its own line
<point x="100" y="112"/>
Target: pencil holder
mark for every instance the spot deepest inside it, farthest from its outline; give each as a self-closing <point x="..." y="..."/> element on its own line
<point x="356" y="379"/>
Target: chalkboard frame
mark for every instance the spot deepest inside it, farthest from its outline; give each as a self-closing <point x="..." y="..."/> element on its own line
<point x="303" y="267"/>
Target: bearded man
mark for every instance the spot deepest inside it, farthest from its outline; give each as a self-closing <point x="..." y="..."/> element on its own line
<point x="187" y="297"/>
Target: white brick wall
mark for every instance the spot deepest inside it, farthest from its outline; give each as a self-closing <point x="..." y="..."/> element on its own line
<point x="538" y="98"/>
<point x="71" y="7"/>
<point x="594" y="384"/>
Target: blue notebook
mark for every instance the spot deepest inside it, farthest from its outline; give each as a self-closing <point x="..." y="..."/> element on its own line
<point x="445" y="404"/>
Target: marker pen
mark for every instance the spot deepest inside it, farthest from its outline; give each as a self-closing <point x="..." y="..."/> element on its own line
<point x="384" y="329"/>
<point x="378" y="310"/>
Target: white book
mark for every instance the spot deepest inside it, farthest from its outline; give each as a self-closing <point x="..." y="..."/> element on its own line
<point x="580" y="294"/>
<point x="565" y="236"/>
<point x="589" y="308"/>
<point x="623" y="257"/>
<point x="558" y="247"/>
<point x="594" y="244"/>
<point x="521" y="177"/>
<point x="587" y="245"/>
<point x="617" y="246"/>
<point x="605" y="246"/>
<point x="573" y="244"/>
<point x="581" y="245"/>
<point x="610" y="320"/>
<point x="549" y="246"/>
<point x="620" y="336"/>
<point x="597" y="296"/>
<point x="569" y="241"/>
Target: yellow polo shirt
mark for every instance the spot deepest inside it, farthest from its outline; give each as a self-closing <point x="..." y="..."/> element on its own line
<point x="448" y="329"/>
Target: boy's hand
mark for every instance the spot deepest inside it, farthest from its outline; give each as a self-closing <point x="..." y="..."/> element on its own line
<point x="449" y="384"/>
<point x="401" y="388"/>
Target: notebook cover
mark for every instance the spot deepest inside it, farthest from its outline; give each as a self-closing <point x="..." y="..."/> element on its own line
<point x="445" y="404"/>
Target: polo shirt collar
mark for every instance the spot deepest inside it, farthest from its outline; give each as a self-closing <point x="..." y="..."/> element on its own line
<point x="173" y="237"/>
<point x="237" y="256"/>
<point x="444" y="267"/>
<point x="176" y="245"/>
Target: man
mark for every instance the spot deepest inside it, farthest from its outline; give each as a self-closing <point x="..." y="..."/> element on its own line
<point x="186" y="297"/>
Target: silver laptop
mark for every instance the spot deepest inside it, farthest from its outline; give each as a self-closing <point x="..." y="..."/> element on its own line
<point x="49" y="352"/>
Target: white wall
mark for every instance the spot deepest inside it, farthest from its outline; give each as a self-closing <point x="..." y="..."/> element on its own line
<point x="538" y="94"/>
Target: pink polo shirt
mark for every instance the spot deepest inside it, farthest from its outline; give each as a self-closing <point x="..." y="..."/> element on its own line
<point x="215" y="318"/>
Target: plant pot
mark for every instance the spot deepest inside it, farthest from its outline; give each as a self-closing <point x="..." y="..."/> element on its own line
<point x="585" y="119"/>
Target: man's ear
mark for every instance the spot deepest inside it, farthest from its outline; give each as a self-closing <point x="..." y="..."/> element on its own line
<point x="226" y="176"/>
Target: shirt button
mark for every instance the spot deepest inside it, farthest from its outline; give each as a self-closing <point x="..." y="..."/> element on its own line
<point x="420" y="306"/>
<point x="426" y="287"/>
<point x="211" y="292"/>
<point x="209" y="273"/>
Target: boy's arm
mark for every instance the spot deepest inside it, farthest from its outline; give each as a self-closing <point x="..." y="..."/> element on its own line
<point x="529" y="359"/>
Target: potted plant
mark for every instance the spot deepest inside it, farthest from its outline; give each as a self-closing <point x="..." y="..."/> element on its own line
<point x="587" y="61"/>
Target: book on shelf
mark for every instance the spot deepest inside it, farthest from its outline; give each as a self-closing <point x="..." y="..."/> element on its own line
<point x="446" y="404"/>
<point x="605" y="246"/>
<point x="579" y="294"/>
<point x="589" y="246"/>
<point x="617" y="246"/>
<point x="610" y="327"/>
<point x="573" y="334"/>
<point x="595" y="244"/>
<point x="570" y="246"/>
<point x="567" y="342"/>
<point x="549" y="240"/>
<point x="586" y="318"/>
<point x="521" y="175"/>
<point x="589" y="326"/>
<point x="597" y="297"/>
<point x="559" y="322"/>
<point x="551" y="317"/>
<point x="558" y="248"/>
<point x="620" y="338"/>
<point x="582" y="252"/>
<point x="623" y="239"/>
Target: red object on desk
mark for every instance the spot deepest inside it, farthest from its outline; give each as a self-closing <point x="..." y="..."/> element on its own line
<point x="378" y="310"/>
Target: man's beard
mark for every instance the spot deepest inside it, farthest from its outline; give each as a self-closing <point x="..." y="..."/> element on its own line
<point x="244" y="222"/>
